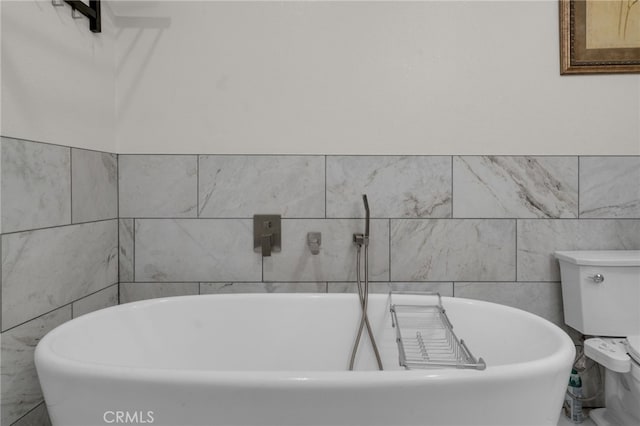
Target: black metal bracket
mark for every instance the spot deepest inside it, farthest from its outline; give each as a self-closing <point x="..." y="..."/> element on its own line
<point x="91" y="11"/>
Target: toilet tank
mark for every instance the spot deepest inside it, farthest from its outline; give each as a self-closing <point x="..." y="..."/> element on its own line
<point x="607" y="308"/>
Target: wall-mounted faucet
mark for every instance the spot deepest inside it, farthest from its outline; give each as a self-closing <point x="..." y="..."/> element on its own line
<point x="267" y="237"/>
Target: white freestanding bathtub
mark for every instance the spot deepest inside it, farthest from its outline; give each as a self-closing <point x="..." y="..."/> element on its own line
<point x="279" y="360"/>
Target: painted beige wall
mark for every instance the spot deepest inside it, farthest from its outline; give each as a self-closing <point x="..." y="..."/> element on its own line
<point x="58" y="82"/>
<point x="455" y="77"/>
<point x="450" y="77"/>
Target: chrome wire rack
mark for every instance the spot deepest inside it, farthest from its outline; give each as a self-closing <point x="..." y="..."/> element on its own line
<point x="426" y="339"/>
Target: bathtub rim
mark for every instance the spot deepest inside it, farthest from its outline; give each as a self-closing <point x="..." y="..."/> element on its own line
<point x="47" y="359"/>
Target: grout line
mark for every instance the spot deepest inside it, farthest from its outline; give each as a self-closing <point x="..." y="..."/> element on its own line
<point x="28" y="412"/>
<point x="351" y="218"/>
<point x="1" y="274"/>
<point x="118" y="186"/>
<point x="60" y="307"/>
<point x="71" y="186"/>
<point x="55" y="144"/>
<point x="349" y="155"/>
<point x="442" y="281"/>
<point x="516" y="250"/>
<point x="133" y="255"/>
<point x="578" y="212"/>
<point x="209" y="154"/>
<point x="389" y="227"/>
<point x="328" y="154"/>
<point x="198" y="186"/>
<point x="118" y="213"/>
<point x="59" y="226"/>
<point x="118" y="231"/>
<point x="325" y="187"/>
<point x="452" y="215"/>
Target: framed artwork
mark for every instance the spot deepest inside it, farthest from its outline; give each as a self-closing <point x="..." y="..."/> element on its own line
<point x="599" y="36"/>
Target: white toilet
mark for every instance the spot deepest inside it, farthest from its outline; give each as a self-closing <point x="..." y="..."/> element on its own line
<point x="601" y="297"/>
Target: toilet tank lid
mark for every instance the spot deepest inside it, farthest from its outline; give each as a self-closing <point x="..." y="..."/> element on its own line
<point x="601" y="257"/>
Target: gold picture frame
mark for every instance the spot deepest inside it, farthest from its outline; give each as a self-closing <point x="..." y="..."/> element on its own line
<point x="599" y="36"/>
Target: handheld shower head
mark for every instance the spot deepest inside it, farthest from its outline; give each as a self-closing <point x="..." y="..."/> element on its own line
<point x="366" y="208"/>
<point x="363" y="239"/>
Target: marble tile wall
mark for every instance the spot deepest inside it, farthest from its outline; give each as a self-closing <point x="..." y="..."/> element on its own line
<point x="403" y="187"/>
<point x="158" y="185"/>
<point x="482" y="227"/>
<point x="136" y="227"/>
<point x="59" y="255"/>
<point x="609" y="187"/>
<point x="20" y="387"/>
<point x="238" y="185"/>
<point x="515" y="187"/>
<point x="36" y="185"/>
<point x="48" y="268"/>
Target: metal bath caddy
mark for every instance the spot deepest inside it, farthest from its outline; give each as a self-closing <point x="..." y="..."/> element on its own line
<point x="426" y="339"/>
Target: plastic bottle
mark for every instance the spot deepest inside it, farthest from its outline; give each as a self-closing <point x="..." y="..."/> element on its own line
<point x="574" y="406"/>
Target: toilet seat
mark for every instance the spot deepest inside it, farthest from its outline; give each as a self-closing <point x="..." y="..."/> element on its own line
<point x="609" y="352"/>
<point x="614" y="353"/>
<point x="633" y="347"/>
